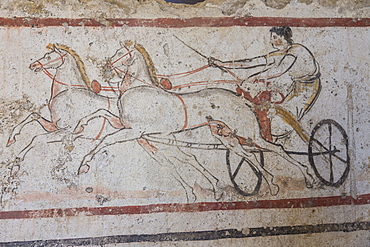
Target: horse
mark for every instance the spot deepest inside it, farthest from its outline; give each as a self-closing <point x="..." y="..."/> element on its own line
<point x="146" y="109"/>
<point x="73" y="95"/>
<point x="72" y="88"/>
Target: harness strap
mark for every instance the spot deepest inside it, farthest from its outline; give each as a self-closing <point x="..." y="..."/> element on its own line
<point x="103" y="125"/>
<point x="185" y="111"/>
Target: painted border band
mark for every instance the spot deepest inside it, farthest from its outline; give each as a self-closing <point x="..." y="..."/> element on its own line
<point x="187" y="22"/>
<point x="188" y="207"/>
<point x="197" y="235"/>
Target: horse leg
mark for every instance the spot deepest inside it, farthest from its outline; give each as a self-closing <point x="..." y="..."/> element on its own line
<point x="37" y="140"/>
<point x="162" y="159"/>
<point x="227" y="137"/>
<point x="280" y="151"/>
<point x="46" y="124"/>
<point x="192" y="160"/>
<point x="119" y="136"/>
<point x="113" y="120"/>
<point x="267" y="176"/>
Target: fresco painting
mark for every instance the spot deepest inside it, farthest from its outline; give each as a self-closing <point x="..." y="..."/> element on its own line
<point x="141" y="116"/>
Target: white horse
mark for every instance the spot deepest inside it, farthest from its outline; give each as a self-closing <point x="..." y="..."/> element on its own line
<point x="73" y="96"/>
<point x="71" y="88"/>
<point x="147" y="110"/>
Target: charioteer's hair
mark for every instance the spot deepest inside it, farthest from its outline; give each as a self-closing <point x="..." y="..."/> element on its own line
<point x="284" y="31"/>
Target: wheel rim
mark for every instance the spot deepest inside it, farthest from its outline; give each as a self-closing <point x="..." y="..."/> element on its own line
<point x="233" y="175"/>
<point x="325" y="146"/>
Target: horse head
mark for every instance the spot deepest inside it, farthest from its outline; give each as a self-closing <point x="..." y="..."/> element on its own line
<point x="117" y="66"/>
<point x="51" y="60"/>
<point x="132" y="60"/>
<point x="71" y="61"/>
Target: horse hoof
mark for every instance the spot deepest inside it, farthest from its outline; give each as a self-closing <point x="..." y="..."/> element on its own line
<point x="83" y="169"/>
<point x="218" y="195"/>
<point x="10" y="142"/>
<point x="78" y="130"/>
<point x="274" y="189"/>
<point x="310" y="181"/>
<point x="15" y="169"/>
<point x="309" y="184"/>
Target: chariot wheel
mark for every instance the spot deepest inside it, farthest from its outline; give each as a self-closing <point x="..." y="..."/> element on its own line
<point x="328" y="153"/>
<point x="244" y="176"/>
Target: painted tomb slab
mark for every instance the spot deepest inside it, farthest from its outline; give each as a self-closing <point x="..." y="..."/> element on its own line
<point x="123" y="116"/>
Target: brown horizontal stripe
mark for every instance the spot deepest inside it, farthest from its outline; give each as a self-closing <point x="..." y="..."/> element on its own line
<point x="189" y="207"/>
<point x="187" y="22"/>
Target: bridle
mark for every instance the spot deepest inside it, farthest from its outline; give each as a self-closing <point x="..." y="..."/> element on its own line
<point x="45" y="70"/>
<point x="115" y="68"/>
<point x="121" y="73"/>
<point x="61" y="57"/>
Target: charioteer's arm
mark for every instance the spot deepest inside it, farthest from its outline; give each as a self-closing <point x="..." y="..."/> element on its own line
<point x="249" y="63"/>
<point x="280" y="68"/>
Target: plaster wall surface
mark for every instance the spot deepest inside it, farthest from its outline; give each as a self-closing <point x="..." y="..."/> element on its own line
<point x="145" y="123"/>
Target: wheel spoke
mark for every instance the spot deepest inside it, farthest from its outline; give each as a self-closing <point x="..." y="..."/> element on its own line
<point x="331" y="155"/>
<point x="238" y="168"/>
<point x="327" y="151"/>
<point x="240" y="187"/>
<point x="330" y="159"/>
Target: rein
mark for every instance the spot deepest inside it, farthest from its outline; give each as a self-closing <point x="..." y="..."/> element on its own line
<point x="237" y="80"/>
<point x="184" y="74"/>
<point x="128" y="53"/>
<point x="46" y="72"/>
<point x="119" y="73"/>
<point x="51" y="76"/>
<point x="125" y="73"/>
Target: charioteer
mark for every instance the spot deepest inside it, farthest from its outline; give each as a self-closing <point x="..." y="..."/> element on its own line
<point x="287" y="81"/>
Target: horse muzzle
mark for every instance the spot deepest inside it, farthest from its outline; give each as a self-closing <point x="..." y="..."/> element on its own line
<point x="35" y="67"/>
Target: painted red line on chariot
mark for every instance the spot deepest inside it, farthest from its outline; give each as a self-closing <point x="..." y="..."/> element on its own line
<point x="188" y="22"/>
<point x="189" y="207"/>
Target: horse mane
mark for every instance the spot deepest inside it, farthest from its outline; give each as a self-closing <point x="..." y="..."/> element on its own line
<point x="80" y="65"/>
<point x="148" y="61"/>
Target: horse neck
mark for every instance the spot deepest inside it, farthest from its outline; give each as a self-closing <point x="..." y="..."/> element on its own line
<point x="67" y="76"/>
<point x="140" y="72"/>
<point x="145" y="70"/>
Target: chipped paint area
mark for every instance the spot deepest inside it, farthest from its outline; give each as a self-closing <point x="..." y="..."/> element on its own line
<point x="102" y="9"/>
<point x="12" y="112"/>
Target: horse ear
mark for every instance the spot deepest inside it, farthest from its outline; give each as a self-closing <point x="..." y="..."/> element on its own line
<point x="121" y="44"/>
<point x="128" y="43"/>
<point x="51" y="47"/>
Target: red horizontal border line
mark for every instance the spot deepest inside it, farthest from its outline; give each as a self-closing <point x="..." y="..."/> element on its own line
<point x="189" y="207"/>
<point x="187" y="22"/>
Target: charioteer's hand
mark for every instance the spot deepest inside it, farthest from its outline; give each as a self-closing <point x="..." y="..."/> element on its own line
<point x="213" y="62"/>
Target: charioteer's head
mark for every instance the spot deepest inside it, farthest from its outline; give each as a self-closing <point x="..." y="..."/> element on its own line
<point x="281" y="37"/>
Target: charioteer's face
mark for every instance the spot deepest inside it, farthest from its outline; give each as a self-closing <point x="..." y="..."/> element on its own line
<point x="277" y="41"/>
